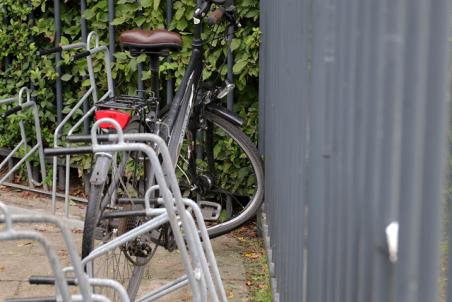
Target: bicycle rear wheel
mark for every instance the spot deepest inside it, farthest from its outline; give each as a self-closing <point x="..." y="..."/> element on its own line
<point x="222" y="166"/>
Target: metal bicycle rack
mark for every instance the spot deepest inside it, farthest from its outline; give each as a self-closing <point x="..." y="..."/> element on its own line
<point x="90" y="48"/>
<point x="60" y="277"/>
<point x="191" y="237"/>
<point x="23" y="144"/>
<point x="92" y="92"/>
<point x="183" y="215"/>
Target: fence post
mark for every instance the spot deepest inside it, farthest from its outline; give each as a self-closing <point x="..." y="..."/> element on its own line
<point x="111" y="30"/>
<point x="84" y="32"/>
<point x="58" y="86"/>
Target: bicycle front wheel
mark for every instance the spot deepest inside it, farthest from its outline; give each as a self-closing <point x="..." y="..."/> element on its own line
<point x="222" y="166"/>
<point x="122" y="263"/>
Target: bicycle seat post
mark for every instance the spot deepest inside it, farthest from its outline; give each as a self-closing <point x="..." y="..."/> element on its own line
<point x="155" y="64"/>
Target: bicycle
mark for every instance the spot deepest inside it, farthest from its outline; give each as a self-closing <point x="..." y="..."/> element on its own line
<point x="195" y="121"/>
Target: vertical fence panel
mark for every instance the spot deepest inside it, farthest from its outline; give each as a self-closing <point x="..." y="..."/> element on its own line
<point x="289" y="242"/>
<point x="59" y="84"/>
<point x="413" y="124"/>
<point x="376" y="132"/>
<point x="58" y="91"/>
<point x="329" y="180"/>
<point x="169" y="82"/>
<point x="84" y="32"/>
<point x="358" y="147"/>
<point x="348" y="275"/>
<point x="434" y="151"/>
<point x="317" y="159"/>
<point x="363" y="103"/>
<point x="111" y="28"/>
<point x="140" y="85"/>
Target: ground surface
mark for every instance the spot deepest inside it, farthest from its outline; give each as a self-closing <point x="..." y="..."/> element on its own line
<point x="20" y="259"/>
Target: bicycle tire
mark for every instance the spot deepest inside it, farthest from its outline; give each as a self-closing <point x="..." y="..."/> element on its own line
<point x="131" y="279"/>
<point x="255" y="161"/>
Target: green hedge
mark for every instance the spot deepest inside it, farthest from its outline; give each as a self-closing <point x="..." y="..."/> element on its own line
<point x="21" y="37"/>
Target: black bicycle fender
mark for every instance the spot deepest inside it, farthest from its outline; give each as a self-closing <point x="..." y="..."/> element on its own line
<point x="226" y="114"/>
<point x="100" y="170"/>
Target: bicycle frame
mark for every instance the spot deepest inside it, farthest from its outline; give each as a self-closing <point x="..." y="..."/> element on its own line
<point x="182" y="106"/>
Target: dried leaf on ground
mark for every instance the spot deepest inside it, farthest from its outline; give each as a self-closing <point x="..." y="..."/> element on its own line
<point x="252" y="255"/>
<point x="24" y="244"/>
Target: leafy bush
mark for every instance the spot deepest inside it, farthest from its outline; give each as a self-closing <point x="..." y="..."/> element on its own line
<point x="22" y="35"/>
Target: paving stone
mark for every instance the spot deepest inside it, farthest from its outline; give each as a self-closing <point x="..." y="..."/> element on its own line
<point x="8" y="289"/>
<point x="19" y="260"/>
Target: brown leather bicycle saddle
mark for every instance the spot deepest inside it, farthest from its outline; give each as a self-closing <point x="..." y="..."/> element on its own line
<point x="154" y="41"/>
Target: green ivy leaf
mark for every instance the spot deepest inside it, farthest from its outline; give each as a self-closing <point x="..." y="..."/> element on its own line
<point x="66" y="77"/>
<point x="156" y="4"/>
<point x="146" y="3"/>
<point x="118" y="21"/>
<point x="238" y="67"/>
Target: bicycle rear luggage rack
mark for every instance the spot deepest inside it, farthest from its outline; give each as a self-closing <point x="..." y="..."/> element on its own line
<point x="123" y="102"/>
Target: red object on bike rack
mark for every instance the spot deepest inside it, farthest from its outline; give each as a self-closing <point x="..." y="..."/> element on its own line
<point x="121" y="117"/>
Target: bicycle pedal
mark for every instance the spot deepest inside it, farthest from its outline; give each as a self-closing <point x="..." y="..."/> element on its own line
<point x="210" y="210"/>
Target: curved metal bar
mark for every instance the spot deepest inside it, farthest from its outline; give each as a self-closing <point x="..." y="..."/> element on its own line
<point x="51" y="255"/>
<point x="118" y="241"/>
<point x="110" y="121"/>
<point x="20" y="96"/>
<point x="167" y="195"/>
<point x="147" y="197"/>
<point x="92" y="35"/>
<point x="207" y="247"/>
<point x="82" y="279"/>
<point x="8" y="220"/>
<point x="112" y="284"/>
<point x="25" y="93"/>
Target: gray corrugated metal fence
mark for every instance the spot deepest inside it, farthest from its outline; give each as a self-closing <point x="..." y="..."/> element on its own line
<point x="353" y="127"/>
